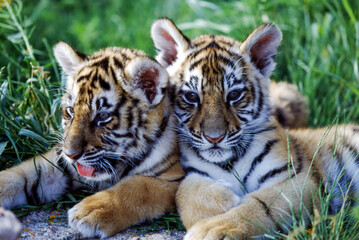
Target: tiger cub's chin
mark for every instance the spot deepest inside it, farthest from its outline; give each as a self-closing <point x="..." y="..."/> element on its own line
<point x="118" y="135"/>
<point x="216" y="155"/>
<point x="222" y="100"/>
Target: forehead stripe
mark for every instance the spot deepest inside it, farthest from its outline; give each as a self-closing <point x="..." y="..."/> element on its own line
<point x="113" y="75"/>
<point x="83" y="77"/>
<point x="103" y="63"/>
<point x="105" y="85"/>
<point x="117" y="63"/>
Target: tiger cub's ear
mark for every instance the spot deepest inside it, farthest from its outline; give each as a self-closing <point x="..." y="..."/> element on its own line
<point x="169" y="41"/>
<point x="68" y="58"/>
<point x="146" y="79"/>
<point x="262" y="46"/>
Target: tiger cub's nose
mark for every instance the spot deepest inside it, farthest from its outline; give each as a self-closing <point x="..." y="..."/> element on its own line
<point x="214" y="140"/>
<point x="74" y="155"/>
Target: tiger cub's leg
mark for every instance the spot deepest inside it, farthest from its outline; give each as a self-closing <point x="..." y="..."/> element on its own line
<point x="260" y="212"/>
<point x="199" y="197"/>
<point x="132" y="200"/>
<point x="35" y="181"/>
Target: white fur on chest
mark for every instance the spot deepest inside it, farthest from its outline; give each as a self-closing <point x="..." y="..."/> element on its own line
<point x="242" y="169"/>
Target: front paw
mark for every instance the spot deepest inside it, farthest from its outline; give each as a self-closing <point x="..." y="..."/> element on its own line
<point x="94" y="216"/>
<point x="10" y="227"/>
<point x="215" y="228"/>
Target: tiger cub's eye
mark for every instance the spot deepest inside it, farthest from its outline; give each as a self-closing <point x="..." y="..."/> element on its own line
<point x="104" y="115"/>
<point x="70" y="111"/>
<point x="191" y="97"/>
<point x="234" y="95"/>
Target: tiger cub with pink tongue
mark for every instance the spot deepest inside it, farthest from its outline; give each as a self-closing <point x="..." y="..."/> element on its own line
<point x="118" y="135"/>
<point x="85" y="171"/>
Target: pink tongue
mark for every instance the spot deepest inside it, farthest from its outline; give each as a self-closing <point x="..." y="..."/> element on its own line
<point x="85" y="170"/>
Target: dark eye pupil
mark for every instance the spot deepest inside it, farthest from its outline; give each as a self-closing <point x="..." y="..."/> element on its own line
<point x="191" y="96"/>
<point x="233" y="95"/>
<point x="104" y="115"/>
<point x="70" y="110"/>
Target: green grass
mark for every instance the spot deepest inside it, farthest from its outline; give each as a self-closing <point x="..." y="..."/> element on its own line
<point x="319" y="53"/>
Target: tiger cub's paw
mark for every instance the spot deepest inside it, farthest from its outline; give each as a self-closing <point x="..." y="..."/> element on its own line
<point x="10" y="227"/>
<point x="214" y="228"/>
<point x="94" y="216"/>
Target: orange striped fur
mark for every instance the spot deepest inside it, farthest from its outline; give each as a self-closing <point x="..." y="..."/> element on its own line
<point x="245" y="174"/>
<point x="118" y="138"/>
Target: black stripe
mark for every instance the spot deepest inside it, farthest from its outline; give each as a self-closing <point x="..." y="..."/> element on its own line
<point x="260" y="101"/>
<point x="32" y="196"/>
<point x="137" y="160"/>
<point x="246" y="142"/>
<point x="113" y="75"/>
<point x="116" y="111"/>
<point x="104" y="103"/>
<point x="242" y="119"/>
<point x="28" y="198"/>
<point x="105" y="85"/>
<point x="228" y="165"/>
<point x="163" y="127"/>
<point x="161" y="165"/>
<point x="109" y="141"/>
<point x="265" y="130"/>
<point x="193" y="82"/>
<point x="260" y="157"/>
<point x="269" y="213"/>
<point x="299" y="157"/>
<point x="134" y="162"/>
<point x="130" y="117"/>
<point x="103" y="63"/>
<point x="139" y="118"/>
<point x="226" y="61"/>
<point x="120" y="103"/>
<point x="94" y="78"/>
<point x="189" y="170"/>
<point x="81" y="55"/>
<point x="117" y="63"/>
<point x="126" y="135"/>
<point x="272" y="173"/>
<point x="84" y="77"/>
<point x="195" y="64"/>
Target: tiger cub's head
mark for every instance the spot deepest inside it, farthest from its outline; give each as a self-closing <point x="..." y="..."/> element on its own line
<point x="220" y="86"/>
<point x="113" y="106"/>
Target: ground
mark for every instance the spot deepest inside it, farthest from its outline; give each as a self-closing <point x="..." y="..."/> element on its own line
<point x="53" y="225"/>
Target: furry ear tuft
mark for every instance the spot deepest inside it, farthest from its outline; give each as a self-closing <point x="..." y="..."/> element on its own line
<point x="262" y="46"/>
<point x="168" y="40"/>
<point x="147" y="80"/>
<point x="68" y="58"/>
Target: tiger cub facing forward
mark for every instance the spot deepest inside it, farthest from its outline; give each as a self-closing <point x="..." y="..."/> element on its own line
<point x="289" y="106"/>
<point x="245" y="175"/>
<point x="118" y="136"/>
